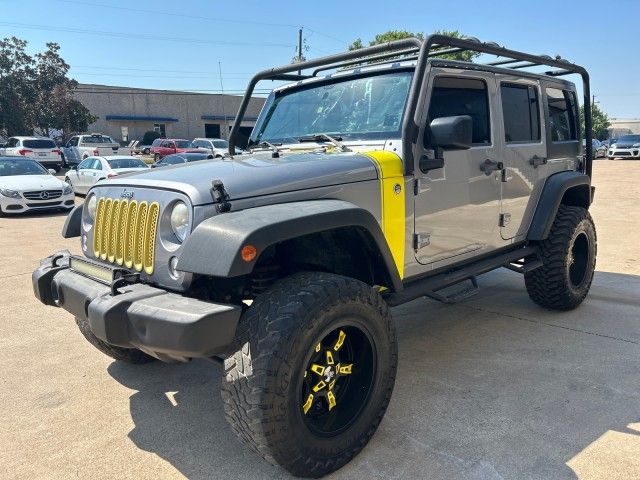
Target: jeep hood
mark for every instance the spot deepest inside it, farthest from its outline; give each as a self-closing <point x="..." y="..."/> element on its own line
<point x="255" y="174"/>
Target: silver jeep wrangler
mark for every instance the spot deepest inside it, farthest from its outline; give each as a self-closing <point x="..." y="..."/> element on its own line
<point x="376" y="177"/>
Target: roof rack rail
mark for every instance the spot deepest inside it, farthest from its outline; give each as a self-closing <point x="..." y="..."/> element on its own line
<point x="432" y="46"/>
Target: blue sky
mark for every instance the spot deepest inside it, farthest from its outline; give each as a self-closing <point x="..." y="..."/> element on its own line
<point x="177" y="45"/>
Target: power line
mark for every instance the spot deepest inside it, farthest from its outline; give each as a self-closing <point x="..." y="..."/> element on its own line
<point x="139" y="36"/>
<point x="169" y="14"/>
<point x="162" y="70"/>
<point x="203" y="77"/>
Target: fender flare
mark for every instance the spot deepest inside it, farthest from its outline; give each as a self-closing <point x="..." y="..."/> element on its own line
<point x="73" y="223"/>
<point x="213" y="248"/>
<point x="569" y="188"/>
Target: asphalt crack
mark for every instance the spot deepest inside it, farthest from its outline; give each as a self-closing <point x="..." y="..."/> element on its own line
<point x="577" y="330"/>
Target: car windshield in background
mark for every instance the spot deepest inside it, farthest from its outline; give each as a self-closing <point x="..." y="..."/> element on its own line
<point x="358" y="108"/>
<point x="126" y="163"/>
<point x="220" y="144"/>
<point x="629" y="139"/>
<point x="10" y="168"/>
<point x="172" y="160"/>
<point x="39" y="143"/>
<point x="183" y="143"/>
<point x="97" y="139"/>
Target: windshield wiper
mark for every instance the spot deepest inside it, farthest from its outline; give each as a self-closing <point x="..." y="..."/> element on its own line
<point x="318" y="137"/>
<point x="274" y="148"/>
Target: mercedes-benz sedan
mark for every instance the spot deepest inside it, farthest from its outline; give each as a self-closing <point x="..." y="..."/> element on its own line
<point x="25" y="185"/>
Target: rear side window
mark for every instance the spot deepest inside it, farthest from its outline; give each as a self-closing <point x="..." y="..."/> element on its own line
<point x="563" y="115"/>
<point x="521" y="113"/>
<point x="462" y="96"/>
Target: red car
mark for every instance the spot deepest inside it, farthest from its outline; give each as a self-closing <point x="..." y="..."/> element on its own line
<point x="169" y="146"/>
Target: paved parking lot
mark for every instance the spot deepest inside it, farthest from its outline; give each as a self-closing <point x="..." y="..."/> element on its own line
<point x="491" y="388"/>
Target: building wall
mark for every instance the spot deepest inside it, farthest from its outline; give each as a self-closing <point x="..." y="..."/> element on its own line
<point x="624" y="126"/>
<point x="180" y="112"/>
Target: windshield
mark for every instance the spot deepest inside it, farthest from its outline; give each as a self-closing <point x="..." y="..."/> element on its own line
<point x="183" y="143"/>
<point x="357" y="108"/>
<point x="194" y="157"/>
<point x="630" y="138"/>
<point x="172" y="160"/>
<point x="97" y="139"/>
<point x="126" y="163"/>
<point x="10" y="168"/>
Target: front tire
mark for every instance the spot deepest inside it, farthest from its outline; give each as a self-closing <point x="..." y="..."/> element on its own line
<point x="127" y="355"/>
<point x="569" y="260"/>
<point x="313" y="373"/>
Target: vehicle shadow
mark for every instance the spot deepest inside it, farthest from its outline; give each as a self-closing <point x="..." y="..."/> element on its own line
<point x="494" y="387"/>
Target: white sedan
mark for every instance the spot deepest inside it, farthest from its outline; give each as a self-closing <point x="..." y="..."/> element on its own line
<point x="25" y="185"/>
<point x="92" y="169"/>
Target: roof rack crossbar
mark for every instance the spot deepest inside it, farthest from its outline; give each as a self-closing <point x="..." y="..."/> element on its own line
<point x="367" y="59"/>
<point x="557" y="73"/>
<point x="525" y="65"/>
<point x="502" y="62"/>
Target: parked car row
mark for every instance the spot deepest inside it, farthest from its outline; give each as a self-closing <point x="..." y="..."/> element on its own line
<point x="162" y="147"/>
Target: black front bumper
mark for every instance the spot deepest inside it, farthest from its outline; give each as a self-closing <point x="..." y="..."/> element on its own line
<point x="166" y="325"/>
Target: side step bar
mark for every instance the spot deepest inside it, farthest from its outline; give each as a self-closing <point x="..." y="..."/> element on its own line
<point x="520" y="260"/>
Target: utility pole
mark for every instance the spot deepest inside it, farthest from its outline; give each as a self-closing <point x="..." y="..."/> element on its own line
<point x="224" y="110"/>
<point x="300" y="47"/>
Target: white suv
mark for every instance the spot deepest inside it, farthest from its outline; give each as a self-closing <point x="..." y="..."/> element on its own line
<point x="216" y="146"/>
<point x="43" y="150"/>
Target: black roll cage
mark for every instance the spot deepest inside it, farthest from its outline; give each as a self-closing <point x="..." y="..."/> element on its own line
<point x="413" y="48"/>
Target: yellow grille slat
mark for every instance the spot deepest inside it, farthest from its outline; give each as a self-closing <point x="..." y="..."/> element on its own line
<point x="125" y="233"/>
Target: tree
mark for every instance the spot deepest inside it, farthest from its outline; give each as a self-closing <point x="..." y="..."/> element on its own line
<point x="392" y="35"/>
<point x="600" y="122"/>
<point x="149" y="137"/>
<point x="36" y="93"/>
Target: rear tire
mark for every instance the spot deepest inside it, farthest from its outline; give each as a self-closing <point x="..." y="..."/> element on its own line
<point x="569" y="260"/>
<point x="127" y="355"/>
<point x="337" y="322"/>
<point x="156" y="157"/>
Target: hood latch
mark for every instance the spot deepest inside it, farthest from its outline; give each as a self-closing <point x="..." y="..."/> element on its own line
<point x="220" y="195"/>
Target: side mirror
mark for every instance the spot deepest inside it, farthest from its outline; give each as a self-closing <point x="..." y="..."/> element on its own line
<point x="452" y="133"/>
<point x="52" y="171"/>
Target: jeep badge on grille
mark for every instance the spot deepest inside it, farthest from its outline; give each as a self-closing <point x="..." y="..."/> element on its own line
<point x="126" y="194"/>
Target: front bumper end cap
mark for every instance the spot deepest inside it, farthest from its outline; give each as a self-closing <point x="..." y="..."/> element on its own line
<point x="164" y="324"/>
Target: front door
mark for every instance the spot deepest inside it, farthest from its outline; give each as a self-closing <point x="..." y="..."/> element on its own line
<point x="524" y="152"/>
<point x="457" y="206"/>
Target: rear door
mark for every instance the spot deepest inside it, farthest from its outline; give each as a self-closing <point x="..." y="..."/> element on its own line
<point x="524" y="151"/>
<point x="71" y="151"/>
<point x="457" y="206"/>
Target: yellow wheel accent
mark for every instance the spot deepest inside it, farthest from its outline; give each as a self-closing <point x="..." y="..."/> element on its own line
<point x="317" y="369"/>
<point x="331" y="385"/>
<point x="329" y="357"/>
<point x="345" y="369"/>
<point x="332" y="400"/>
<point x="318" y="347"/>
<point x="321" y="384"/>
<point x="308" y="403"/>
<point x="341" y="337"/>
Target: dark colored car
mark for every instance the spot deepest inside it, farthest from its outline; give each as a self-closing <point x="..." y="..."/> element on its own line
<point x="177" y="159"/>
<point x="169" y="146"/>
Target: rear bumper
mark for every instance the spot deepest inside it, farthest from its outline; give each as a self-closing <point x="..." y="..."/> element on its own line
<point x="161" y="323"/>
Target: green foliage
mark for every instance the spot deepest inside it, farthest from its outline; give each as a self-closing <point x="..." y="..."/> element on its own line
<point x="600" y="121"/>
<point x="392" y="35"/>
<point x="149" y="137"/>
<point x="35" y="92"/>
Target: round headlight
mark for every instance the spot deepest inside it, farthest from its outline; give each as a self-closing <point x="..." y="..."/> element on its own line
<point x="92" y="205"/>
<point x="180" y="220"/>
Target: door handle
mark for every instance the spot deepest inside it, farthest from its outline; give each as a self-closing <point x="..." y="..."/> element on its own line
<point x="536" y="161"/>
<point x="489" y="166"/>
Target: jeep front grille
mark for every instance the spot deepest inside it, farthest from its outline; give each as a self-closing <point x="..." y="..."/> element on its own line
<point x="125" y="233"/>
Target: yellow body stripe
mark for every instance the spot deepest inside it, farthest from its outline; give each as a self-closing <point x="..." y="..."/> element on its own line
<point x="393" y="204"/>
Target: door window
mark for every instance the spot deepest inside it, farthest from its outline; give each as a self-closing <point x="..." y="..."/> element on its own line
<point x="160" y="128"/>
<point x="96" y="164"/>
<point x="521" y="113"/>
<point x="453" y="96"/>
<point x="85" y="163"/>
<point x="13" y="142"/>
<point x="563" y="116"/>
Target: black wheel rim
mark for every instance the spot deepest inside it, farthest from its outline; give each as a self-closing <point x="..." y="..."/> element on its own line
<point x="337" y="380"/>
<point x="579" y="259"/>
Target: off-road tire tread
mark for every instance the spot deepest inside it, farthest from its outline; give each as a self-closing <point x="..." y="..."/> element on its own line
<point x="270" y="322"/>
<point x="547" y="285"/>
<point x="127" y="355"/>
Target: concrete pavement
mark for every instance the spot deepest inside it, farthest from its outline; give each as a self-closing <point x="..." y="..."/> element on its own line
<point x="491" y="388"/>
